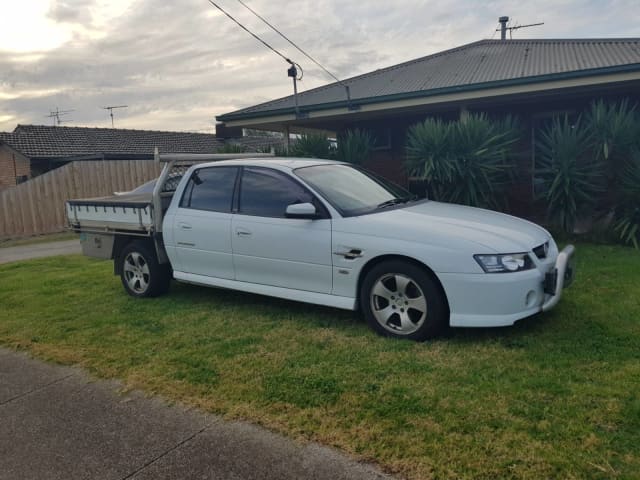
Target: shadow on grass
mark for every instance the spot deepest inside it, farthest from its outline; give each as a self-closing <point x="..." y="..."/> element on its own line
<point x="293" y="310"/>
<point x="328" y="317"/>
<point x="532" y="325"/>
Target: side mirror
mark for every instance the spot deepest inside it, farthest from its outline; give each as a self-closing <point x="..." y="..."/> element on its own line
<point x="302" y="210"/>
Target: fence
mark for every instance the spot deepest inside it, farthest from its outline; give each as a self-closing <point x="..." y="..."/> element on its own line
<point x="37" y="206"/>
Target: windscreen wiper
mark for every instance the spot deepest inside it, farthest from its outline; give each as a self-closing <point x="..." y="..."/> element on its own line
<point x="394" y="201"/>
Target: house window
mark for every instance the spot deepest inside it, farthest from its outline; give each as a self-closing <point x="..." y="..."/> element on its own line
<point x="381" y="138"/>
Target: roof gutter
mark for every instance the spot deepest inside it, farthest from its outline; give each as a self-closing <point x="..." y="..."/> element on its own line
<point x="231" y="117"/>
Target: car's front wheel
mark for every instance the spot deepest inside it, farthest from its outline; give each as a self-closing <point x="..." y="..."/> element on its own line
<point x="400" y="299"/>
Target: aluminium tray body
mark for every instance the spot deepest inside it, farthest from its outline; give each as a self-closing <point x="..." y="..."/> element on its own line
<point x="129" y="212"/>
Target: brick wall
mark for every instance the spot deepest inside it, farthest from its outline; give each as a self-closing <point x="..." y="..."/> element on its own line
<point x="12" y="165"/>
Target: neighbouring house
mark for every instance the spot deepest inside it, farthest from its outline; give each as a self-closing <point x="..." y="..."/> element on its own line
<point x="14" y="166"/>
<point x="31" y="150"/>
<point x="534" y="79"/>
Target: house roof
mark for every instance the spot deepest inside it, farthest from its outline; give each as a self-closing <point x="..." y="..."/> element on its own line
<point x="41" y="141"/>
<point x="473" y="66"/>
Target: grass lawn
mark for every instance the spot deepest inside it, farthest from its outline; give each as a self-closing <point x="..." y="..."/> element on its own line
<point x="556" y="396"/>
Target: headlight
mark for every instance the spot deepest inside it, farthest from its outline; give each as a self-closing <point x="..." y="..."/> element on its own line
<point x="504" y="263"/>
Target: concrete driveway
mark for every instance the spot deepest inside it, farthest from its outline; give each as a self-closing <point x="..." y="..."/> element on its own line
<point x="57" y="423"/>
<point x="38" y="250"/>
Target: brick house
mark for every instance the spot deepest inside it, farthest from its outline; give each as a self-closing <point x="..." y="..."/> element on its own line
<point x="534" y="79"/>
<point x="14" y="166"/>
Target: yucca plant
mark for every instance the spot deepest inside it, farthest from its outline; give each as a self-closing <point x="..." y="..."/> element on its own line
<point x="570" y="177"/>
<point x="312" y="145"/>
<point x="466" y="161"/>
<point x="614" y="128"/>
<point x="355" y="146"/>
<point x="429" y="151"/>
<point x="627" y="213"/>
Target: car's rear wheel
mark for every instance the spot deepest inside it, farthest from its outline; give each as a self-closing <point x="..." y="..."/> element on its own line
<point x="400" y="299"/>
<point x="140" y="272"/>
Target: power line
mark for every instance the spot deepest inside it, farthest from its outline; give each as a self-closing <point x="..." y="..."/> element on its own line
<point x="495" y="30"/>
<point x="250" y="32"/>
<point x="291" y="72"/>
<point x="289" y="40"/>
<point x="340" y="82"/>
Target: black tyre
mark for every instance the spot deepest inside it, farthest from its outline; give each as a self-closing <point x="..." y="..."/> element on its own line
<point x="400" y="299"/>
<point x="140" y="272"/>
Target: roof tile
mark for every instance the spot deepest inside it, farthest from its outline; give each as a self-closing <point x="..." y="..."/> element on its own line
<point x="42" y="141"/>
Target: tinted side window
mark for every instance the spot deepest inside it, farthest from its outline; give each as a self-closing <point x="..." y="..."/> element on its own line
<point x="267" y="193"/>
<point x="210" y="189"/>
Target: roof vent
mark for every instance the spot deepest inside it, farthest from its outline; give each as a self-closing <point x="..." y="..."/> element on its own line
<point x="503" y="27"/>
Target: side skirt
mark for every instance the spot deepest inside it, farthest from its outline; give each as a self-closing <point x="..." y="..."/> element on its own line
<point x="345" y="303"/>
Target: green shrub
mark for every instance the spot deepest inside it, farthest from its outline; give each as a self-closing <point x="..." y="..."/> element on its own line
<point x="280" y="151"/>
<point x="569" y="175"/>
<point x="311" y="145"/>
<point x="465" y="161"/>
<point x="232" y="148"/>
<point x="355" y="146"/>
<point x="627" y="213"/>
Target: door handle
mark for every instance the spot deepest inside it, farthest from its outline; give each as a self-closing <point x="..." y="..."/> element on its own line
<point x="184" y="226"/>
<point x="241" y="232"/>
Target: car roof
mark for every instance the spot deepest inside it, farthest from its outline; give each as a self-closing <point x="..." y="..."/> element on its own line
<point x="287" y="162"/>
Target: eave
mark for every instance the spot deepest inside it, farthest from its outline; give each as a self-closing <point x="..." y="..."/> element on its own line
<point x="462" y="93"/>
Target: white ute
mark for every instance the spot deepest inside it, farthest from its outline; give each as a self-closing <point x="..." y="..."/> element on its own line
<point x="328" y="233"/>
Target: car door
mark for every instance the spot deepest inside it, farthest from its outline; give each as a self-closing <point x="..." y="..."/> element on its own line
<point x="202" y="223"/>
<point x="271" y="249"/>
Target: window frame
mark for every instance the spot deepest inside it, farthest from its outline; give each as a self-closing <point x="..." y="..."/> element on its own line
<point x="323" y="212"/>
<point x="188" y="190"/>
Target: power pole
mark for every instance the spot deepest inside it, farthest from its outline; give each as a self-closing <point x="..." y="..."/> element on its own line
<point x="111" y="111"/>
<point x="56" y="114"/>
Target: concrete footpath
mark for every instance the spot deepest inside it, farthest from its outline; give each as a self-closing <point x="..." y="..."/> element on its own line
<point x="39" y="250"/>
<point x="57" y="423"/>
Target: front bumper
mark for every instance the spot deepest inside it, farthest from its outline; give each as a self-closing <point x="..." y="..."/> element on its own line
<point x="496" y="300"/>
<point x="559" y="278"/>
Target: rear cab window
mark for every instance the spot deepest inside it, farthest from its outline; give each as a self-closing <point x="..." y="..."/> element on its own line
<point x="210" y="189"/>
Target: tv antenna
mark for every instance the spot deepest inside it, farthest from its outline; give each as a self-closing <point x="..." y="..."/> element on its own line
<point x="56" y="114"/>
<point x="111" y="111"/>
<point x="503" y="27"/>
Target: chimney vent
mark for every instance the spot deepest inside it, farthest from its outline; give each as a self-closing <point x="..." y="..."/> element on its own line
<point x="503" y="27"/>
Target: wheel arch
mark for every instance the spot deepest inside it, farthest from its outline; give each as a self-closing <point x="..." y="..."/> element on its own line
<point x="120" y="243"/>
<point x="383" y="258"/>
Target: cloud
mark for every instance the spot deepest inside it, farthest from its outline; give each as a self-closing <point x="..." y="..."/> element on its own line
<point x="178" y="64"/>
<point x="70" y="11"/>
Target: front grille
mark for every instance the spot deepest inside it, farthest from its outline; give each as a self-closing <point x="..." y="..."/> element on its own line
<point x="541" y="251"/>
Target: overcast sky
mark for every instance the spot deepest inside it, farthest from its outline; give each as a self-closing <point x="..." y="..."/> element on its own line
<point x="178" y="63"/>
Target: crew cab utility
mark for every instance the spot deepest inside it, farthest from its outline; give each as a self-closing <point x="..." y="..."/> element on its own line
<point x="324" y="232"/>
